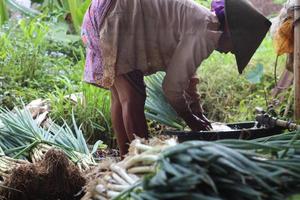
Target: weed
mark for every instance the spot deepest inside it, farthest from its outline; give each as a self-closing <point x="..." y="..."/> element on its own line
<point x="228" y="96"/>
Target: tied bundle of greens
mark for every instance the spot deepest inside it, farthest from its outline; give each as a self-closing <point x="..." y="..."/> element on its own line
<point x="22" y="137"/>
<point x="111" y="178"/>
<point x="213" y="171"/>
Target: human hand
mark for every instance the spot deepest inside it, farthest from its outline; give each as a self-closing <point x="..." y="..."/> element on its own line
<point x="198" y="124"/>
<point x="203" y="118"/>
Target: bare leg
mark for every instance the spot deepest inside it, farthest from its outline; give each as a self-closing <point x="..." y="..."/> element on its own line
<point x="133" y="104"/>
<point x="117" y="122"/>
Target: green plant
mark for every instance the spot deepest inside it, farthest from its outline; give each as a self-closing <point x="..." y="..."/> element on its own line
<point x="205" y="3"/>
<point x="27" y="62"/>
<point x="27" y="11"/>
<point x="31" y="64"/>
<point x="21" y="134"/>
<point x="77" y="9"/>
<point x="157" y="107"/>
<point x="92" y="109"/>
<point x="224" y="170"/>
<point x="294" y="197"/>
<point x="61" y="9"/>
<point x="230" y="97"/>
<point x="3" y="12"/>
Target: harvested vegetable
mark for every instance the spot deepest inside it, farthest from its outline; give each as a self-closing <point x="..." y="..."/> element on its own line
<point x="110" y="178"/>
<point x="54" y="177"/>
<point x="205" y="170"/>
<point x="22" y="137"/>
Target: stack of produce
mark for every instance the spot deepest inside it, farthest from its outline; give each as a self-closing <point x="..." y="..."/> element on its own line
<point x="114" y="177"/>
<point x="53" y="177"/>
<point x="267" y="168"/>
<point x="22" y="137"/>
<point x="7" y="164"/>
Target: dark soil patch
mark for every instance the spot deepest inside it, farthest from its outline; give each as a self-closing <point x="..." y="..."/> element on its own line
<point x="55" y="177"/>
<point x="267" y="7"/>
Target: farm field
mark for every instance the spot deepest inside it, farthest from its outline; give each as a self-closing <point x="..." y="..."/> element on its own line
<point x="56" y="134"/>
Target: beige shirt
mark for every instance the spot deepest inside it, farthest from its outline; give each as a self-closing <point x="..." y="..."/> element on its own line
<point x="174" y="36"/>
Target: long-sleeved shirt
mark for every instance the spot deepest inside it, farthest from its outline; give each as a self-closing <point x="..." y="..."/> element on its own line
<point x="174" y="36"/>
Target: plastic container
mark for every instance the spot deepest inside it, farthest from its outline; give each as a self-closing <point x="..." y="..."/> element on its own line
<point x="241" y="130"/>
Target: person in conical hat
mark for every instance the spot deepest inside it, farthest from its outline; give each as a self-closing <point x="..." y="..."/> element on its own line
<point x="129" y="39"/>
<point x="244" y="26"/>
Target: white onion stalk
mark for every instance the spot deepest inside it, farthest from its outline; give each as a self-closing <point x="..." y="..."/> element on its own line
<point x="4" y="175"/>
<point x="122" y="173"/>
<point x="118" y="179"/>
<point x="141" y="170"/>
<point x="99" y="197"/>
<point x="100" y="189"/>
<point x="117" y="188"/>
<point x="36" y="155"/>
<point x="147" y="159"/>
<point x="120" y="176"/>
<point x="112" y="194"/>
<point x="108" y="178"/>
<point x="7" y="164"/>
<point x="134" y="177"/>
<point x="137" y="147"/>
<point x="13" y="161"/>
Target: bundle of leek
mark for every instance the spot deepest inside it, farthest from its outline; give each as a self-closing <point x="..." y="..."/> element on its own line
<point x="205" y="170"/>
<point x="157" y="107"/>
<point x="113" y="178"/>
<point x="22" y="137"/>
<point x="7" y="164"/>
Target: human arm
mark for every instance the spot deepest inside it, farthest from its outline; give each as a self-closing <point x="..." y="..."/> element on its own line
<point x="192" y="97"/>
<point x="186" y="58"/>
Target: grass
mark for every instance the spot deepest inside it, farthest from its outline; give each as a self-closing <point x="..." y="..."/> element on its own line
<point x="92" y="111"/>
<point x="39" y="61"/>
<point x="28" y="65"/>
<point x="34" y="65"/>
<point x="228" y="96"/>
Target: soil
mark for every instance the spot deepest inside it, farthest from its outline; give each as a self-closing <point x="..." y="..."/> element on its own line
<point x="55" y="177"/>
<point x="267" y="7"/>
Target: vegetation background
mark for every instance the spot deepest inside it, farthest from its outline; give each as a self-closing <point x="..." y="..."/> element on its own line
<point x="42" y="56"/>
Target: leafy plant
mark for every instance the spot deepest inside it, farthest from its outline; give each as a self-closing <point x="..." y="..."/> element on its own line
<point x="16" y="6"/>
<point x="21" y="134"/>
<point x="256" y="74"/>
<point x="30" y="64"/>
<point x="63" y="8"/>
<point x="26" y="62"/>
<point x="77" y="9"/>
<point x="224" y="170"/>
<point x="92" y="109"/>
<point x="157" y="107"/>
<point x="205" y="3"/>
<point x="3" y="12"/>
<point x="230" y="97"/>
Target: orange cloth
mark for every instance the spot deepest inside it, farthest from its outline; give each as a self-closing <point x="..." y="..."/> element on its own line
<point x="284" y="38"/>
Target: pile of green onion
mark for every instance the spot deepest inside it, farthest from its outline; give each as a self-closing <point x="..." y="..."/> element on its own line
<point x="22" y="137"/>
<point x="267" y="168"/>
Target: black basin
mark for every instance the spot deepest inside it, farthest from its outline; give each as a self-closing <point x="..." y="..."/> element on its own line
<point x="243" y="130"/>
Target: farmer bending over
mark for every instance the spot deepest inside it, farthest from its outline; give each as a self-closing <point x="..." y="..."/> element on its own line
<point x="128" y="39"/>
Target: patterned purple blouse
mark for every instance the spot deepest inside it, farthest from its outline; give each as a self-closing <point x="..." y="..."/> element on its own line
<point x="93" y="72"/>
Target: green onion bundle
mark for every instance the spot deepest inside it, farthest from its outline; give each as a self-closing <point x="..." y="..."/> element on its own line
<point x="22" y="137"/>
<point x="112" y="178"/>
<point x="211" y="171"/>
<point x="157" y="107"/>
